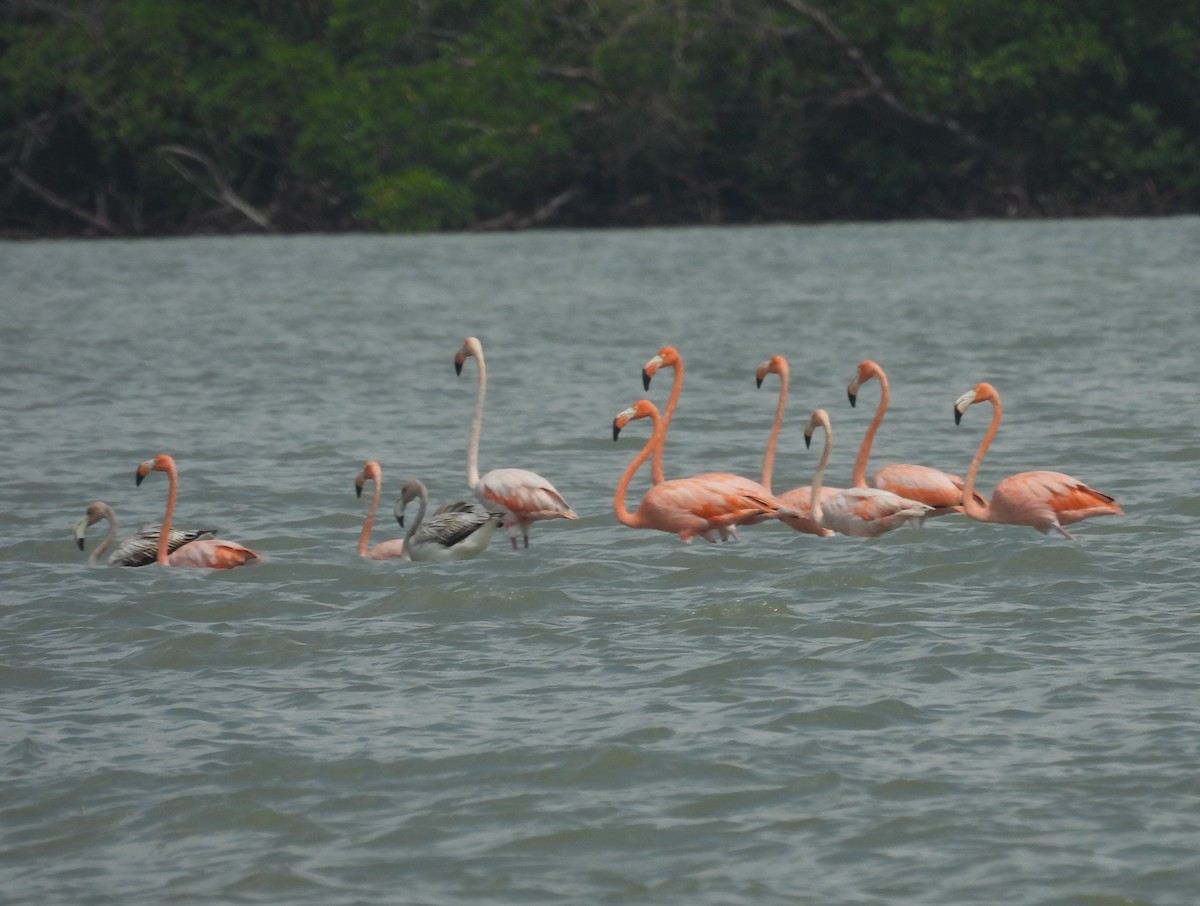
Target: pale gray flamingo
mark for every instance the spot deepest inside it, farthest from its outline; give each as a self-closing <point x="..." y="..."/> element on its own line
<point x="137" y="550"/>
<point x="456" y="531"/>
<point x="523" y="497"/>
<point x="857" y="511"/>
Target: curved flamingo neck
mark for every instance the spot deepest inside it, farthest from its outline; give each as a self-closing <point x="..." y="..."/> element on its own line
<point x="981" y="512"/>
<point x="422" y="502"/>
<point x="657" y="476"/>
<point x="859" y="478"/>
<point x="364" y="537"/>
<point x="476" y="421"/>
<point x="109" y="537"/>
<point x="653" y="445"/>
<point x="818" y="482"/>
<point x="768" y="466"/>
<point x="164" y="531"/>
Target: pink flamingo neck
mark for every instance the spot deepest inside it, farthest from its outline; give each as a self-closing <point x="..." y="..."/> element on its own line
<point x="476" y="418"/>
<point x="821" y="418"/>
<point x="981" y="512"/>
<point x="164" y="531"/>
<point x="768" y="467"/>
<point x="657" y="475"/>
<point x="364" y="537"/>
<point x="653" y="445"/>
<point x="859" y="478"/>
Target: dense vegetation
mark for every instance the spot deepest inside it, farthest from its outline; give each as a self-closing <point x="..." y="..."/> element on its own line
<point x="141" y="117"/>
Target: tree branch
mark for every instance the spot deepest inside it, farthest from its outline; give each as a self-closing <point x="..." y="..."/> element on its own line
<point x="54" y="199"/>
<point x="223" y="192"/>
<point x="875" y="85"/>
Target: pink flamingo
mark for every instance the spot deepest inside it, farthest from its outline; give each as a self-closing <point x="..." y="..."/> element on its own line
<point x="136" y="550"/>
<point x="684" y="506"/>
<point x="863" y="512"/>
<point x="203" y="553"/>
<point x="798" y="499"/>
<point x="393" y="548"/>
<point x="522" y="496"/>
<point x="1044" y="500"/>
<point x="941" y="490"/>
<point x="669" y="357"/>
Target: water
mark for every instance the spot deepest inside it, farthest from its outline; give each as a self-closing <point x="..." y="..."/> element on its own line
<point x="962" y="714"/>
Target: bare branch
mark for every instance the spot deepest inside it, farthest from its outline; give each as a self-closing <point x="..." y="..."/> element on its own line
<point x="223" y="192"/>
<point x="875" y="85"/>
<point x="99" y="220"/>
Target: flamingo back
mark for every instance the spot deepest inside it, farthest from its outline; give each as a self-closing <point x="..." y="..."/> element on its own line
<point x="524" y="496"/>
<point x="1045" y="499"/>
<point x="212" y="553"/>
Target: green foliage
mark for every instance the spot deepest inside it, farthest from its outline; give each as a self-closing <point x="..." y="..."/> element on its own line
<point x="444" y="114"/>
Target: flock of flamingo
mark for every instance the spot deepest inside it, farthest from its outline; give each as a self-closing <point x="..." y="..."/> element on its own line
<point x="708" y="505"/>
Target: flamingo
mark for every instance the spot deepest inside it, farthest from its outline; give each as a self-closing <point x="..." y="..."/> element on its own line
<point x="393" y="548"/>
<point x="203" y="553"/>
<point x="669" y="357"/>
<point x="1044" y="500"/>
<point x="522" y="496"/>
<point x="457" y="531"/>
<point x="864" y="512"/>
<point x="941" y="490"/>
<point x="685" y="506"/>
<point x="136" y="550"/>
<point x="798" y="499"/>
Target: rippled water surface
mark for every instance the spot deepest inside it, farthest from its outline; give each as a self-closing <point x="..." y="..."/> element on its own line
<point x="959" y="714"/>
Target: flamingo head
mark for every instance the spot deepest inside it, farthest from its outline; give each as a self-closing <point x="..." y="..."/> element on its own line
<point x="160" y="463"/>
<point x="370" y="472"/>
<point x="774" y="365"/>
<point x="818" y="419"/>
<point x="96" y="511"/>
<point x="471" y="346"/>
<point x="980" y="393"/>
<point x="866" y="370"/>
<point x="640" y="409"/>
<point x="668" y="357"/>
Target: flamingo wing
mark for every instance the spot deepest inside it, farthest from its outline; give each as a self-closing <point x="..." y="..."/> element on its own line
<point x="523" y="495"/>
<point x="870" y="511"/>
<point x="142" y="549"/>
<point x="1046" y="499"/>
<point x="921" y="483"/>
<point x="799" y="500"/>
<point x="212" y="553"/>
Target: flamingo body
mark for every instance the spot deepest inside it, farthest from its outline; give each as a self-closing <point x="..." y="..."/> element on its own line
<point x="800" y="501"/>
<point x="1043" y="500"/>
<point x="203" y="553"/>
<point x="522" y="497"/>
<point x="941" y="490"/>
<point x="454" y="532"/>
<point x="863" y="512"/>
<point x="137" y="550"/>
<point x="687" y="507"/>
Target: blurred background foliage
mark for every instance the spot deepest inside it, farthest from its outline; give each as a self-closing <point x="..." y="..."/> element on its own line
<point x="159" y="117"/>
